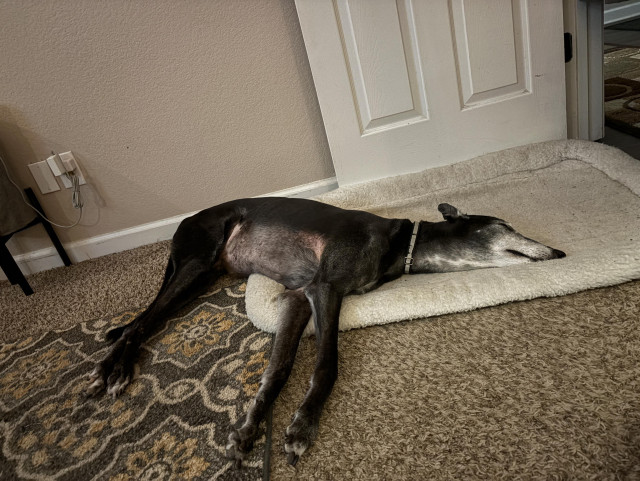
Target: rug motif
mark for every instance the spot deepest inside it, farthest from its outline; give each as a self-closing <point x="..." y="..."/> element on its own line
<point x="194" y="380"/>
<point x="622" y="89"/>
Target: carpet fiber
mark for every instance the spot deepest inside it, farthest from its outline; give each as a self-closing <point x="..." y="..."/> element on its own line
<point x="546" y="191"/>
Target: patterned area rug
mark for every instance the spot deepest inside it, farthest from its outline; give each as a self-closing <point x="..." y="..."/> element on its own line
<point x="196" y="379"/>
<point x="622" y="89"/>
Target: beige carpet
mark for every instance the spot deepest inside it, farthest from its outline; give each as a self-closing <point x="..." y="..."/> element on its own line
<point x="66" y="296"/>
<point x="543" y="389"/>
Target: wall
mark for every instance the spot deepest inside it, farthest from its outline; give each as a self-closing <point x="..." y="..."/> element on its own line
<point x="169" y="106"/>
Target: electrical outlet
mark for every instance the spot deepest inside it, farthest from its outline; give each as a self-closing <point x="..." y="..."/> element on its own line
<point x="55" y="164"/>
<point x="43" y="177"/>
<point x="70" y="164"/>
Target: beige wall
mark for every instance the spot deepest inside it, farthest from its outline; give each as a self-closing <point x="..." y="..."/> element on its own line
<point x="170" y="106"/>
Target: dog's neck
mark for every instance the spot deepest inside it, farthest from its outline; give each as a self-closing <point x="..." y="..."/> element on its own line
<point x="424" y="248"/>
<point x="434" y="252"/>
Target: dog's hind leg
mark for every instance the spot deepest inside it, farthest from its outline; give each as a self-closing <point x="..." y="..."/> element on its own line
<point x="187" y="281"/>
<point x="192" y="268"/>
<point x="325" y="303"/>
<point x="114" y="334"/>
<point x="98" y="377"/>
<point x="294" y="314"/>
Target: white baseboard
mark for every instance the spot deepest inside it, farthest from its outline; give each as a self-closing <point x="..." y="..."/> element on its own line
<point x="122" y="240"/>
<point x="616" y="13"/>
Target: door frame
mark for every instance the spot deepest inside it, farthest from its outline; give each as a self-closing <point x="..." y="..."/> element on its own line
<point x="584" y="20"/>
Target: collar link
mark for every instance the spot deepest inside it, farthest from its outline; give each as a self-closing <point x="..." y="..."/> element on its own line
<point x="408" y="260"/>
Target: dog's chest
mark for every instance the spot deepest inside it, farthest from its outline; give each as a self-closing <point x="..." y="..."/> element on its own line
<point x="289" y="257"/>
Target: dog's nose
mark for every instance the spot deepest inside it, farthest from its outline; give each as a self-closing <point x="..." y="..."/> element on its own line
<point x="557" y="254"/>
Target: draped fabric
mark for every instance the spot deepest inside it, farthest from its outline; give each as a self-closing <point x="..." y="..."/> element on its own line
<point x="14" y="213"/>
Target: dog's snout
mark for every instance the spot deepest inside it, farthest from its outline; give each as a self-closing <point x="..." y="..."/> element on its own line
<point x="558" y="254"/>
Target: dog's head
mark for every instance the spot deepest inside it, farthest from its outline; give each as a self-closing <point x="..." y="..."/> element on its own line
<point x="466" y="242"/>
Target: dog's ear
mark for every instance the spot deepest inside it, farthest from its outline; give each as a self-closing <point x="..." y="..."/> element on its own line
<point x="450" y="213"/>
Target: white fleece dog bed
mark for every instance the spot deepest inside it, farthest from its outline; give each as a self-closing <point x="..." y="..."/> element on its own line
<point x="579" y="197"/>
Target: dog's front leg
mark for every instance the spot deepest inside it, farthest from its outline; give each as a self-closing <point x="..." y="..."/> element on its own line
<point x="294" y="313"/>
<point x="325" y="303"/>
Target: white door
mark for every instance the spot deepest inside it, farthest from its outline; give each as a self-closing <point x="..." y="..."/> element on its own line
<point x="411" y="84"/>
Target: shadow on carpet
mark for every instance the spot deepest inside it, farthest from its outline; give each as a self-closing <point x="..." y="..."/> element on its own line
<point x="197" y="377"/>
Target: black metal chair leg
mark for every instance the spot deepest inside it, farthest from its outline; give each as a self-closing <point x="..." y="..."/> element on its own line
<point x="7" y="265"/>
<point x="52" y="233"/>
<point x="12" y="271"/>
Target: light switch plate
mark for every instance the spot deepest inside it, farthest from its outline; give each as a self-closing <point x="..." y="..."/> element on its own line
<point x="44" y="177"/>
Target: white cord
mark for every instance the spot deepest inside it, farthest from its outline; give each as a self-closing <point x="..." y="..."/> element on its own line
<point x="77" y="201"/>
<point x="75" y="198"/>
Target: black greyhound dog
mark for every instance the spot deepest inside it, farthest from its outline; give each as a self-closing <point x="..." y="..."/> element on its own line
<point x="320" y="253"/>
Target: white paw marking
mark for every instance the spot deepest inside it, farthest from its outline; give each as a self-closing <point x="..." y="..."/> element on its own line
<point x="297" y="447"/>
<point x="116" y="389"/>
<point x="95" y="374"/>
<point x="95" y="387"/>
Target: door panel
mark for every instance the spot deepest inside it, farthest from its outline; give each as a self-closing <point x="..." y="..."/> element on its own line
<point x="381" y="55"/>
<point x="405" y="85"/>
<point x="491" y="63"/>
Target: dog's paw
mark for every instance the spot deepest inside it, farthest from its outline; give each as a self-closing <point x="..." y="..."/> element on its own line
<point x="112" y="377"/>
<point x="119" y="379"/>
<point x="299" y="436"/>
<point x="96" y="382"/>
<point x="240" y="443"/>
